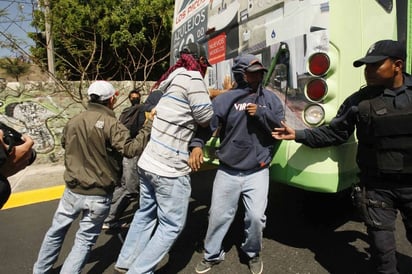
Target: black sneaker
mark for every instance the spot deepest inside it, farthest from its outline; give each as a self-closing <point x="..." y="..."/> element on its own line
<point x="256" y="265"/>
<point x="204" y="266"/>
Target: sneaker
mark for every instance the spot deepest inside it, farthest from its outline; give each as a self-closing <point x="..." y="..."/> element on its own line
<point x="118" y="270"/>
<point x="256" y="265"/>
<point x="124" y="225"/>
<point x="115" y="225"/>
<point x="204" y="266"/>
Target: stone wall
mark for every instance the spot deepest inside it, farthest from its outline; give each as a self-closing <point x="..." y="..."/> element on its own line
<point x="41" y="109"/>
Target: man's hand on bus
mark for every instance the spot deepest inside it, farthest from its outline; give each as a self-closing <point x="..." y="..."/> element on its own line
<point x="196" y="158"/>
<point x="228" y="83"/>
<point x="284" y="133"/>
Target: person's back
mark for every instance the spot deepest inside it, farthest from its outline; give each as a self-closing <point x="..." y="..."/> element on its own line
<point x="90" y="166"/>
<point x="179" y="112"/>
<point x="94" y="143"/>
<point x="163" y="167"/>
<point x="127" y="191"/>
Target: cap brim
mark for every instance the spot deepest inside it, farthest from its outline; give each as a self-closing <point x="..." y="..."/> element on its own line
<point x="369" y="60"/>
<point x="256" y="67"/>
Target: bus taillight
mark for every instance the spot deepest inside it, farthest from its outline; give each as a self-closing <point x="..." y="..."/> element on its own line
<point x="316" y="89"/>
<point x="314" y="114"/>
<point x="319" y="64"/>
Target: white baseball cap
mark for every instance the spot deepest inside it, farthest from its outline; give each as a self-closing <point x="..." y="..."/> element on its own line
<point x="103" y="89"/>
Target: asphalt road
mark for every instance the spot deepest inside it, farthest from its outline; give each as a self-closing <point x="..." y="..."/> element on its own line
<point x="306" y="233"/>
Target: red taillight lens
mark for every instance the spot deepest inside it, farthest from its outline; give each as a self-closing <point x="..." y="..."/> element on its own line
<point x="316" y="89"/>
<point x="319" y="64"/>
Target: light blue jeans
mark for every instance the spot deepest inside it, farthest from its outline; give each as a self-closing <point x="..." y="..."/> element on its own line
<point x="163" y="202"/>
<point x="94" y="210"/>
<point x="228" y="187"/>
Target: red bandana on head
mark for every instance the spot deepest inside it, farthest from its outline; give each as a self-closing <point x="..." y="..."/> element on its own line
<point x="186" y="61"/>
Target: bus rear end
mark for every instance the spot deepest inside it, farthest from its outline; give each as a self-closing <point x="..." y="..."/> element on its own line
<point x="308" y="47"/>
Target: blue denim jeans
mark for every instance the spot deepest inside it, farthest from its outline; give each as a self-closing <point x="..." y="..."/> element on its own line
<point x="228" y="187"/>
<point x="94" y="210"/>
<point x="163" y="202"/>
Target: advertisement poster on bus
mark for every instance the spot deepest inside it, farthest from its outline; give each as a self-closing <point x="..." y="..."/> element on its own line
<point x="266" y="28"/>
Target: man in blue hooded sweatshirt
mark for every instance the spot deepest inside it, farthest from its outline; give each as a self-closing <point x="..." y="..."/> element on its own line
<point x="245" y="115"/>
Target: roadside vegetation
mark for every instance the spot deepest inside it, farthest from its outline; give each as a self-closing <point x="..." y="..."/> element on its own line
<point x="116" y="40"/>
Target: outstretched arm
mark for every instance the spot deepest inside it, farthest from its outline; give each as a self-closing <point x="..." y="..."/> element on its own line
<point x="284" y="133"/>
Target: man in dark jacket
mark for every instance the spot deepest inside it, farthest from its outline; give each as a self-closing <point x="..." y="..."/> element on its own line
<point x="245" y="116"/>
<point x="133" y="118"/>
<point x="382" y="115"/>
<point x="94" y="142"/>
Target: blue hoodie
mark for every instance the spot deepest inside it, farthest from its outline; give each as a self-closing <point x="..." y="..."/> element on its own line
<point x="245" y="141"/>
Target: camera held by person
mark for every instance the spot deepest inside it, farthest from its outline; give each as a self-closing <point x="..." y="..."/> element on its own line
<point x="16" y="153"/>
<point x="12" y="138"/>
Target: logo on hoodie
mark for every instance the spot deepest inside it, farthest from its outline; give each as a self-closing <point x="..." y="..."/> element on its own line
<point x="241" y="107"/>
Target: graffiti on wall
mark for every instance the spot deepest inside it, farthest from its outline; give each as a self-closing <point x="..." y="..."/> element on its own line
<point x="41" y="111"/>
<point x="32" y="116"/>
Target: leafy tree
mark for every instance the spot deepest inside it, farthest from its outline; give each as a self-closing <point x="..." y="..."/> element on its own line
<point x="14" y="67"/>
<point x="107" y="39"/>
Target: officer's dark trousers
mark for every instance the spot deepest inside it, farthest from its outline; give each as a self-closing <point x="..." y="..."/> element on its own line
<point x="383" y="202"/>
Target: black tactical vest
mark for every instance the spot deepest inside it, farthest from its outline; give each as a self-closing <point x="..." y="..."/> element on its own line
<point x="385" y="137"/>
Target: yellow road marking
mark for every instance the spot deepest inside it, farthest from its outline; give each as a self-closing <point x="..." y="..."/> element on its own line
<point x="52" y="193"/>
<point x="34" y="196"/>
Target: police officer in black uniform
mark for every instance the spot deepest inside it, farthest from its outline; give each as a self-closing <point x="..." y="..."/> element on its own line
<point x="382" y="115"/>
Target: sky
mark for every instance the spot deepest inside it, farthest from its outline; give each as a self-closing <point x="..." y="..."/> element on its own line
<point x="16" y="22"/>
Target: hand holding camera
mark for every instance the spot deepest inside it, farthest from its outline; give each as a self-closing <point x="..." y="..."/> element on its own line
<point x="18" y="148"/>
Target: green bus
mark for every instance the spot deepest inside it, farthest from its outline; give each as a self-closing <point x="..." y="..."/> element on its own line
<point x="308" y="47"/>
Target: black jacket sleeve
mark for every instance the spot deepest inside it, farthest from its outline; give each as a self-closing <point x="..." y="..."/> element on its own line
<point x="337" y="131"/>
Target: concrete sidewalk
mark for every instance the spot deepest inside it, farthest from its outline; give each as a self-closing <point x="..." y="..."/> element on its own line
<point x="37" y="176"/>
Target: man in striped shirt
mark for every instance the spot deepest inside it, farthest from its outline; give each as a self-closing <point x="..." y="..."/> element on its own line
<point x="163" y="167"/>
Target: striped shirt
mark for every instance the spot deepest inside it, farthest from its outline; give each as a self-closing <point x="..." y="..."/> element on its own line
<point x="184" y="104"/>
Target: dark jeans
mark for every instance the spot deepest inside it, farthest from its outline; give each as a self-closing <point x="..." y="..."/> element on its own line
<point x="126" y="192"/>
<point x="385" y="195"/>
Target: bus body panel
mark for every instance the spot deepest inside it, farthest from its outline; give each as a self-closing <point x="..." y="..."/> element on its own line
<point x="334" y="168"/>
<point x="342" y="29"/>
